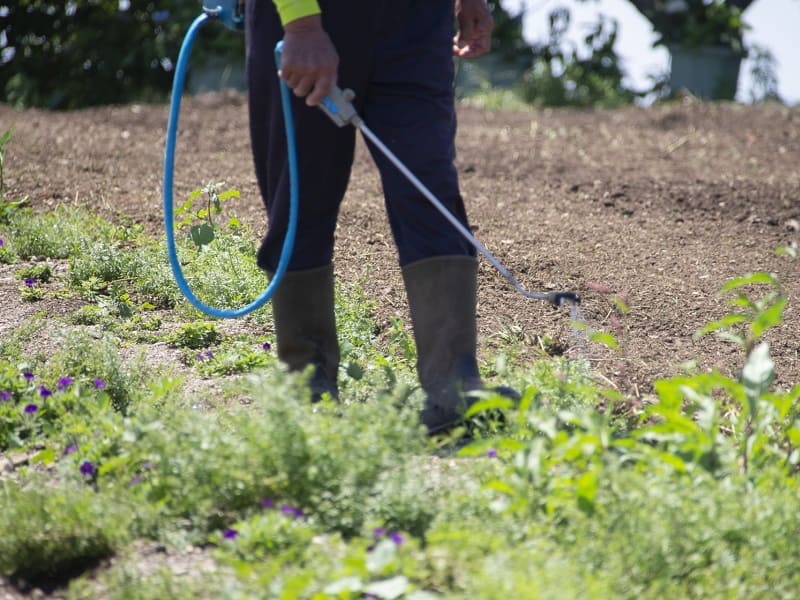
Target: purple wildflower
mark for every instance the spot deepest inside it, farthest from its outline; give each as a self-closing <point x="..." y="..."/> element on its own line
<point x="44" y="392"/>
<point x="492" y="453"/>
<point x="378" y="532"/>
<point x="29" y="282"/>
<point x="397" y="538"/>
<point x="266" y="346"/>
<point x="99" y="384"/>
<point x="208" y="354"/>
<point x="267" y="503"/>
<point x="28" y="376"/>
<point x="31" y="408"/>
<point x="230" y="534"/>
<point x="2" y="243"/>
<point x="136" y="480"/>
<point x="292" y="511"/>
<point x="64" y="383"/>
<point x="88" y="468"/>
<point x="5" y="396"/>
<point x="70" y="449"/>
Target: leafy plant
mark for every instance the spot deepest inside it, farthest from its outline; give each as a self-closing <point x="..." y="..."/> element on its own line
<point x="695" y="23"/>
<point x="55" y="533"/>
<point x="69" y="55"/>
<point x="203" y="233"/>
<point x="195" y="336"/>
<point x="561" y="76"/>
<point x="752" y="317"/>
<point x="41" y="272"/>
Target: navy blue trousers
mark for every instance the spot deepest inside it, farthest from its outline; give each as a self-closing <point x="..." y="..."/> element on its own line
<point x="396" y="55"/>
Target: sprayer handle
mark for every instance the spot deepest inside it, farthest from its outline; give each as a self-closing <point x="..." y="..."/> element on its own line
<point x="338" y="104"/>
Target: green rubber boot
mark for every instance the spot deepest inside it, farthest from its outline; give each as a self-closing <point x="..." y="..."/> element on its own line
<point x="305" y="327"/>
<point x="442" y="297"/>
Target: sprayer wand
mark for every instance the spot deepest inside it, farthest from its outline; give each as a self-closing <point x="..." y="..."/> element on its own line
<point x="338" y="106"/>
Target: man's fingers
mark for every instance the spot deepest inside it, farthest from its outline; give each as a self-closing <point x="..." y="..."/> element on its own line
<point x="302" y="85"/>
<point x="321" y="88"/>
<point x="475" y="26"/>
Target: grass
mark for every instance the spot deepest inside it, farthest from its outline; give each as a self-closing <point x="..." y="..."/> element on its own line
<point x="569" y="500"/>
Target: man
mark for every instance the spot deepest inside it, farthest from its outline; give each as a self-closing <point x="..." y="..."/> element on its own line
<point x="397" y="56"/>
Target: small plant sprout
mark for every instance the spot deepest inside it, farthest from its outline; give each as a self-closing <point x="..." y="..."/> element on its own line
<point x="203" y="233"/>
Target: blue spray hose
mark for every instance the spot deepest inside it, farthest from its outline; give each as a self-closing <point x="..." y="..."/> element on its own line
<point x="169" y="168"/>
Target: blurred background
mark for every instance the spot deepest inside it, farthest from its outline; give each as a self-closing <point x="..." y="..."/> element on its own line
<point x="604" y="53"/>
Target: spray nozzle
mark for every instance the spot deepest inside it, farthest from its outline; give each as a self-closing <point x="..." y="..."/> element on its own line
<point x="561" y="298"/>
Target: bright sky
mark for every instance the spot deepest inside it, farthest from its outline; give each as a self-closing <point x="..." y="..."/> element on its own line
<point x="773" y="24"/>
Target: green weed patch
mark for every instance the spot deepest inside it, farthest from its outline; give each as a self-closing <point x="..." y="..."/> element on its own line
<point x="571" y="496"/>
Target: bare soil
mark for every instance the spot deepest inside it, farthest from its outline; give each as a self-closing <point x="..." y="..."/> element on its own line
<point x="656" y="206"/>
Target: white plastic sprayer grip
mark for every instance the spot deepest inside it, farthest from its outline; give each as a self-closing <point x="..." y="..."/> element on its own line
<point x="338" y="105"/>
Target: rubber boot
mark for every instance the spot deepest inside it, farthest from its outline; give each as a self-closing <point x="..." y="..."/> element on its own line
<point x="305" y="327"/>
<point x="442" y="297"/>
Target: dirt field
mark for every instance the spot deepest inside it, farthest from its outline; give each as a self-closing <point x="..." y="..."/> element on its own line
<point x="656" y="206"/>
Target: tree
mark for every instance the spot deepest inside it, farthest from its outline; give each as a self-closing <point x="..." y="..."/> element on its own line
<point x="696" y="23"/>
<point x="79" y="53"/>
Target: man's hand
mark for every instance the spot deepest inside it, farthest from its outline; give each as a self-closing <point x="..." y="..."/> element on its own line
<point x="309" y="61"/>
<point x="475" y="23"/>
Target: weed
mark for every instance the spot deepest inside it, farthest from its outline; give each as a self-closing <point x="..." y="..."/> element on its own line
<point x="57" y="533"/>
<point x="195" y="336"/>
<point x="203" y="233"/>
<point x="40" y="272"/>
<point x="95" y="357"/>
<point x="7" y="255"/>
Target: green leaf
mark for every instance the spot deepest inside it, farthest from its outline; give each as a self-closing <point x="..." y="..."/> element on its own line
<point x="389" y="589"/>
<point x="381" y="556"/>
<point x="202" y="234"/>
<point x="723" y="323"/>
<point x="605" y="338"/>
<point x="355" y="370"/>
<point x="229" y="194"/>
<point x="345" y="584"/>
<point x="794" y="436"/>
<point x="758" y="371"/>
<point x="586" y="487"/>
<point x="183" y="208"/>
<point x="759" y="277"/>
<point x="729" y="336"/>
<point x="487" y="404"/>
<point x="499" y="486"/>
<point x="771" y="317"/>
<point x="46" y="456"/>
<point x="621" y="305"/>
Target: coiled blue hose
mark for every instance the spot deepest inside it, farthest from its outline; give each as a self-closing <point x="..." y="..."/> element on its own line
<point x="169" y="167"/>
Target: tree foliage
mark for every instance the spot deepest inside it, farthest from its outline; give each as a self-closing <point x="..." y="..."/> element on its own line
<point x="695" y="23"/>
<point x="80" y="53"/>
